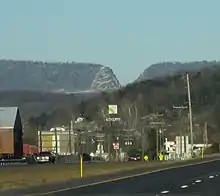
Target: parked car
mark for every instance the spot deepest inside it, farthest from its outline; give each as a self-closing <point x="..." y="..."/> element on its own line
<point x="46" y="157"/>
<point x="135" y="157"/>
<point x="86" y="157"/>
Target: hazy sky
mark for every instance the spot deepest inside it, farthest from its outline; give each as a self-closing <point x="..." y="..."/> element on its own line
<point x="127" y="35"/>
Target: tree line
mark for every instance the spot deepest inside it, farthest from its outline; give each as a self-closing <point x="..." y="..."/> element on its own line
<point x="139" y="101"/>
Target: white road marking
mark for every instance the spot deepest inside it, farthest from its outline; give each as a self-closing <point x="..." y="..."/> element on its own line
<point x="184" y="186"/>
<point x="197" y="181"/>
<point x="211" y="176"/>
<point x="193" y="183"/>
<point x="164" y="192"/>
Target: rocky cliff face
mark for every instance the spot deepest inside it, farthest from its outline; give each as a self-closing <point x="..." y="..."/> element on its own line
<point x="55" y="77"/>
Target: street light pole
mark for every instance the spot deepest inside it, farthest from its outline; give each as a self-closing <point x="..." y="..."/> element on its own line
<point x="56" y="140"/>
<point x="157" y="147"/>
<point x="190" y="112"/>
<point x="158" y="140"/>
<point x="142" y="143"/>
<point x="157" y="135"/>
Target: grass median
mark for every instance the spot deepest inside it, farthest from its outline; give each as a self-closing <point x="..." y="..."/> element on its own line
<point x="18" y="177"/>
<point x="15" y="177"/>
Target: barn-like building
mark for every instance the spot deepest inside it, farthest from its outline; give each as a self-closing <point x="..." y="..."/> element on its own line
<point x="11" y="132"/>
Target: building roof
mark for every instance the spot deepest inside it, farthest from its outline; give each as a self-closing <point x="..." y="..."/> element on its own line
<point x="8" y="116"/>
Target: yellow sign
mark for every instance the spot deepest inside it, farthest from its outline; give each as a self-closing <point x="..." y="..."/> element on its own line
<point x="112" y="109"/>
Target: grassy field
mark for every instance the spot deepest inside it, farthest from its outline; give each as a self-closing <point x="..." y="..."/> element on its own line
<point x="15" y="177"/>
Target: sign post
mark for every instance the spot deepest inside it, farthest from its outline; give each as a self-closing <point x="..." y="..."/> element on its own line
<point x="202" y="154"/>
<point x="81" y="166"/>
<point x="116" y="148"/>
<point x="112" y="117"/>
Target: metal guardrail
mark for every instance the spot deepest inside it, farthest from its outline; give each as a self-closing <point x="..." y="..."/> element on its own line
<point x="12" y="161"/>
<point x="68" y="159"/>
<point x="73" y="159"/>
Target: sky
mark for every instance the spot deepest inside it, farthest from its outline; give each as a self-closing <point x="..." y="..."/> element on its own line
<point x="126" y="35"/>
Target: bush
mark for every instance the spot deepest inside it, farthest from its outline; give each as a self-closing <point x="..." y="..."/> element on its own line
<point x="213" y="149"/>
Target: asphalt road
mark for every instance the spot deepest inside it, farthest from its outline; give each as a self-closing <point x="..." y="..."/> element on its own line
<point x="203" y="179"/>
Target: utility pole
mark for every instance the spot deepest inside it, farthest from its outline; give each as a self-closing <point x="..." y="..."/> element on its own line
<point x="142" y="143"/>
<point x="71" y="139"/>
<point x="190" y="112"/>
<point x="56" y="146"/>
<point x="157" y="134"/>
<point x="162" y="137"/>
<point x="109" y="146"/>
<point x="205" y="136"/>
<point x="40" y="138"/>
<point x="41" y="146"/>
<point x="180" y="108"/>
<point x="157" y="147"/>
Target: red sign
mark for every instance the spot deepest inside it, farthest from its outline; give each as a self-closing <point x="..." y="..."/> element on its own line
<point x="116" y="146"/>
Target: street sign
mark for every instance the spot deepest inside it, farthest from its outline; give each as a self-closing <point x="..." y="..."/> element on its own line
<point x="78" y="120"/>
<point x="157" y="123"/>
<point x="128" y="143"/>
<point x="112" y="119"/>
<point x="112" y="109"/>
<point x="116" y="146"/>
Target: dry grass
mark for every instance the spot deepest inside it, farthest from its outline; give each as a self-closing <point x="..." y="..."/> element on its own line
<point x="14" y="177"/>
<point x="38" y="174"/>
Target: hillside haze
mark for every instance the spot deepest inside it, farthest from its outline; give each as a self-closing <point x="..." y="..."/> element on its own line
<point x="55" y="77"/>
<point x="171" y="68"/>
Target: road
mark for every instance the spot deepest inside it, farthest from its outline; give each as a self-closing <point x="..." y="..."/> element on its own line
<point x="202" y="179"/>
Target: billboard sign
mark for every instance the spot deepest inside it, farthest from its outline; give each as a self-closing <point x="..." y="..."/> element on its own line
<point x="112" y="119"/>
<point x="112" y="109"/>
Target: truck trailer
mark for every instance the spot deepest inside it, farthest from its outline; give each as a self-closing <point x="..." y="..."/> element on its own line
<point x="29" y="150"/>
<point x="10" y="146"/>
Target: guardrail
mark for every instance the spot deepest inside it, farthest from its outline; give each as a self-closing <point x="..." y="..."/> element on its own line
<point x="71" y="159"/>
<point x="12" y="161"/>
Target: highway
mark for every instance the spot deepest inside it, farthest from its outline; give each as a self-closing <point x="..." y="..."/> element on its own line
<point x="202" y="179"/>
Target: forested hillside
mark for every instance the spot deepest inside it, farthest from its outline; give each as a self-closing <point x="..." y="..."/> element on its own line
<point x="138" y="103"/>
<point x="32" y="103"/>
<point x="164" y="69"/>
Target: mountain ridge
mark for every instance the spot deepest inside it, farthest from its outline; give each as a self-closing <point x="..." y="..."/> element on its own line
<point x="55" y="76"/>
<point x="170" y="68"/>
